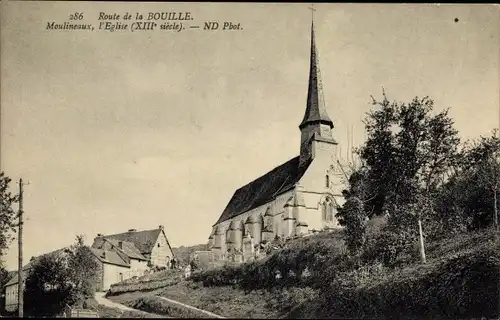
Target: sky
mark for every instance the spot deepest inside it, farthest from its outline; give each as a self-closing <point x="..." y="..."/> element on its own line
<point x="121" y="130"/>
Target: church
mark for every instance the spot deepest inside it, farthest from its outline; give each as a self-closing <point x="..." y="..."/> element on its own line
<point x="296" y="198"/>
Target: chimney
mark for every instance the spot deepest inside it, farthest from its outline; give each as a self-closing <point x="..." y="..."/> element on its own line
<point x="132" y="230"/>
<point x="160" y="227"/>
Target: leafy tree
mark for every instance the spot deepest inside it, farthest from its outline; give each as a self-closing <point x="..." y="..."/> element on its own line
<point x="407" y="153"/>
<point x="83" y="269"/>
<point x="49" y="288"/>
<point x="469" y="198"/>
<point x="405" y="160"/>
<point x="7" y="213"/>
<point x="351" y="215"/>
<point x="60" y="279"/>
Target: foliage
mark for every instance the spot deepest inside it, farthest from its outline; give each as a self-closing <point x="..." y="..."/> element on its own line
<point x="463" y="286"/>
<point x="7" y="214"/>
<point x="49" y="288"/>
<point x="352" y="216"/>
<point x="59" y="279"/>
<point x="467" y="200"/>
<point x="407" y="152"/>
<point x="83" y="269"/>
<point x="291" y="261"/>
<point x="148" y="285"/>
<point x="461" y="271"/>
<point x="5" y="276"/>
<point x="389" y="248"/>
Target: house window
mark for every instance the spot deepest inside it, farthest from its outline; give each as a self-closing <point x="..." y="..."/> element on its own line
<point x="327" y="181"/>
<point x="158" y="245"/>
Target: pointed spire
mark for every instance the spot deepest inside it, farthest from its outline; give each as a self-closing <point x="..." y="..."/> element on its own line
<point x="315" y="109"/>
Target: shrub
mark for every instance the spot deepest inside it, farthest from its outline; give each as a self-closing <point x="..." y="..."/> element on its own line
<point x="119" y="288"/>
<point x="312" y="253"/>
<point x="465" y="286"/>
<point x="390" y="248"/>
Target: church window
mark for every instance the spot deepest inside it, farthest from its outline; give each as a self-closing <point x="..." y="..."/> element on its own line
<point x="324" y="211"/>
<point x="327" y="180"/>
<point x="158" y="245"/>
<point x="331" y="211"/>
<point x="328" y="210"/>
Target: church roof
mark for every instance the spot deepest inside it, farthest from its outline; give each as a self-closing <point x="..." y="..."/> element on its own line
<point x="315" y="109"/>
<point x="142" y="240"/>
<point x="265" y="188"/>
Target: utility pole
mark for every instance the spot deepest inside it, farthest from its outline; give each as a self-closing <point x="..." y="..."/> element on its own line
<point x="20" y="283"/>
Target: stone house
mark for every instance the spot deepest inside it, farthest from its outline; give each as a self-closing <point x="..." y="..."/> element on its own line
<point x="125" y="255"/>
<point x="114" y="267"/>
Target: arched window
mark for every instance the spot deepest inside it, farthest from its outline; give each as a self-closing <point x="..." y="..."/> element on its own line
<point x="328" y="210"/>
<point x="324" y="210"/>
<point x="331" y="211"/>
<point x="228" y="235"/>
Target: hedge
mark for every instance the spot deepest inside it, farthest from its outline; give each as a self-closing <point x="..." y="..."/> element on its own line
<point x="150" y="285"/>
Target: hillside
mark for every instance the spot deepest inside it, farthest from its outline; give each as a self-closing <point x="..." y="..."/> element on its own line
<point x="459" y="280"/>
<point x="183" y="253"/>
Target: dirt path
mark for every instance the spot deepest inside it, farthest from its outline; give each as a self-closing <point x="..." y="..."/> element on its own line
<point x="101" y="299"/>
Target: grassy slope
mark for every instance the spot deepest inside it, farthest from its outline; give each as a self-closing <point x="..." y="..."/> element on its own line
<point x="306" y="302"/>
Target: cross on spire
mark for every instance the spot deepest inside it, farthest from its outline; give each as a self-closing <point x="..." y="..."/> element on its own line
<point x="312" y="11"/>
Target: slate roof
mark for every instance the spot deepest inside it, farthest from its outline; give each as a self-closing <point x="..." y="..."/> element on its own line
<point x="316" y="108"/>
<point x="110" y="257"/>
<point x="142" y="240"/>
<point x="128" y="248"/>
<point x="265" y="188"/>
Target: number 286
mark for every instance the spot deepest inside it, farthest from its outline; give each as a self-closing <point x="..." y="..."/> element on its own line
<point x="76" y="16"/>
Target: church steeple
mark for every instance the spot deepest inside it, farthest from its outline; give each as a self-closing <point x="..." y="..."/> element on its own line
<point x="315" y="108"/>
<point x="316" y="126"/>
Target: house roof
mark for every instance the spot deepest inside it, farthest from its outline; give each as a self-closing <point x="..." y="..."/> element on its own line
<point x="265" y="188"/>
<point x="13" y="280"/>
<point x="110" y="257"/>
<point x="144" y="240"/>
<point x="128" y="248"/>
